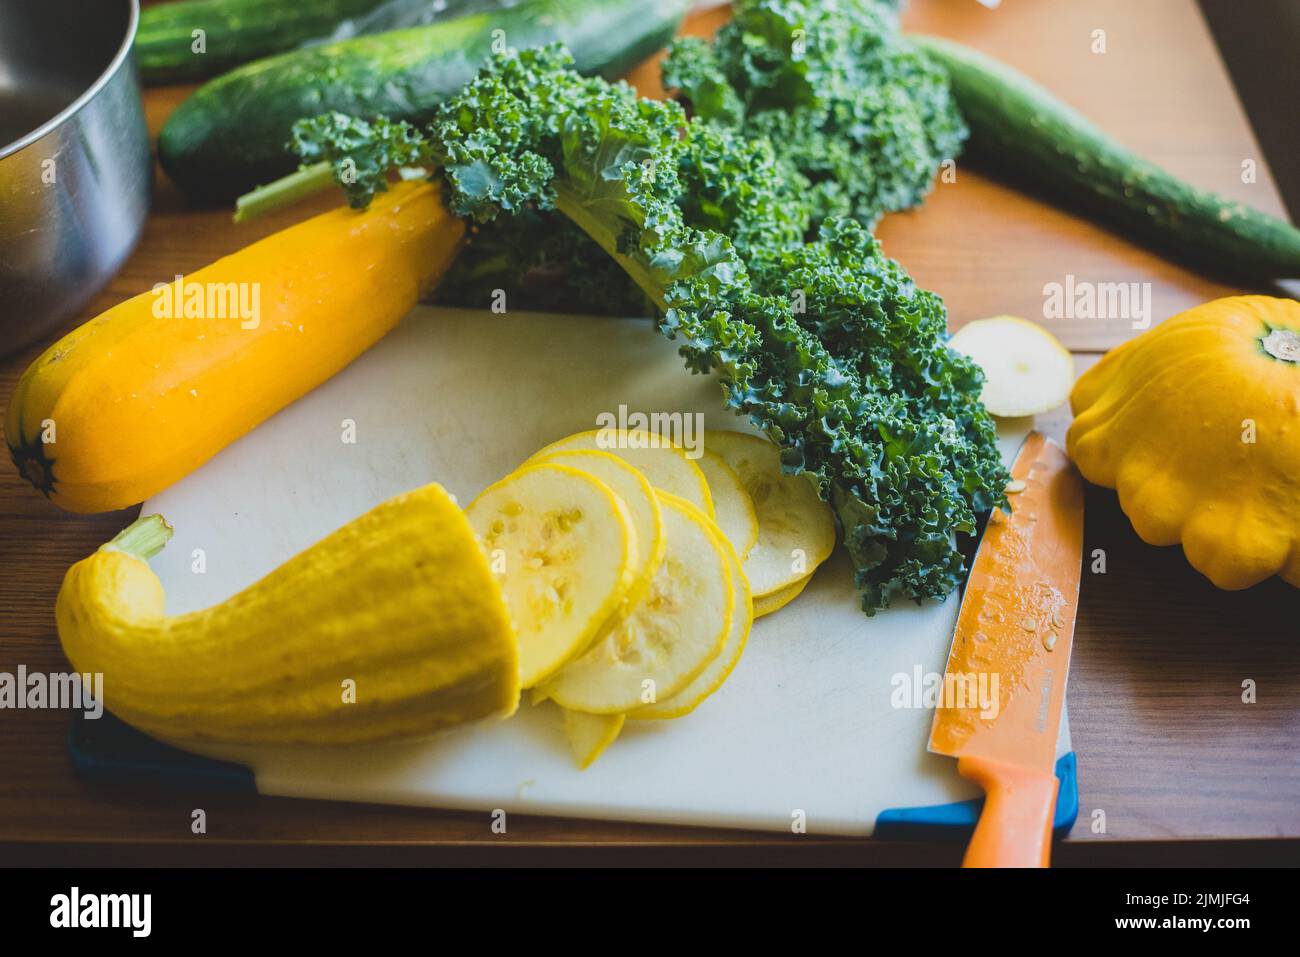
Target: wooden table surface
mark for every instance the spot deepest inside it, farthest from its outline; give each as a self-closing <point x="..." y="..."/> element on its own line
<point x="1167" y="749"/>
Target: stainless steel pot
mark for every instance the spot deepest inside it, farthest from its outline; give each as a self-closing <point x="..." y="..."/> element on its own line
<point x="75" y="169"/>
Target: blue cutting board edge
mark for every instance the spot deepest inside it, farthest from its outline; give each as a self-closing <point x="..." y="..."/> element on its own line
<point x="957" y="820"/>
<point x="107" y="751"/>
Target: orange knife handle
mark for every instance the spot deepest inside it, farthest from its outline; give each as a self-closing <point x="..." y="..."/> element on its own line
<point x="1015" y="827"/>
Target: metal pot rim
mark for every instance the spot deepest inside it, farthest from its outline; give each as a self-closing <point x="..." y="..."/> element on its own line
<point x="90" y="92"/>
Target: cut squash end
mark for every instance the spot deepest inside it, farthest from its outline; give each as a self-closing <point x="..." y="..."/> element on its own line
<point x="1026" y="369"/>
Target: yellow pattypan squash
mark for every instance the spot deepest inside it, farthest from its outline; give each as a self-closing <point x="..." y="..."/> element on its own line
<point x="1197" y="424"/>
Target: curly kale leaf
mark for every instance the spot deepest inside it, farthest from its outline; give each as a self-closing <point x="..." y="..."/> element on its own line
<point x="844" y="98"/>
<point x="361" y="152"/>
<point x="537" y="257"/>
<point x="528" y="130"/>
<point x="827" y="346"/>
<point x="839" y="357"/>
<point x="858" y="122"/>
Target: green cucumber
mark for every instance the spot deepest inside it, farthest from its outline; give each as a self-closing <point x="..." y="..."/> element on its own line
<point x="1028" y="136"/>
<point x="232" y="133"/>
<point x="234" y="32"/>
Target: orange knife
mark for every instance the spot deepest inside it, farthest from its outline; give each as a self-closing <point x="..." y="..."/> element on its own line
<point x="1000" y="707"/>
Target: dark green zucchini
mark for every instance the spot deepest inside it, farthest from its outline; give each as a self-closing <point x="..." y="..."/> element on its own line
<point x="231" y="134"/>
<point x="234" y="32"/>
<point x="1025" y="134"/>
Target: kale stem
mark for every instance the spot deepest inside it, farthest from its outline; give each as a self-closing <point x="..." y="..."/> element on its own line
<point x="284" y="191"/>
<point x="571" y="205"/>
<point x="320" y="176"/>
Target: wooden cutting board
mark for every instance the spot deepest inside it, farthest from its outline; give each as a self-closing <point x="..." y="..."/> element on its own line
<point x="807" y="721"/>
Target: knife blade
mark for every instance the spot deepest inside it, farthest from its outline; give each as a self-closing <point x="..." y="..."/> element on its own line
<point x="999" y="709"/>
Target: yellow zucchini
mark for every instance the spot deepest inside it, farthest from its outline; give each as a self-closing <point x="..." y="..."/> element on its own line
<point x="143" y="394"/>
<point x="393" y="626"/>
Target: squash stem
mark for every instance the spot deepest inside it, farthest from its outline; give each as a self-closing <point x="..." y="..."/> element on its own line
<point x="143" y="538"/>
<point x="284" y="191"/>
<point x="1282" y="344"/>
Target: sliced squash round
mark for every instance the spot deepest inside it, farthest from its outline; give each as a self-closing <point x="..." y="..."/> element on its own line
<point x="564" y="547"/>
<point x="733" y="509"/>
<point x="719" y="669"/>
<point x="1026" y="369"/>
<point x="637" y="494"/>
<point x="664" y="465"/>
<point x="796" y="529"/>
<point x="671" y="636"/>
<point x="775" y="601"/>
<point x="590" y="734"/>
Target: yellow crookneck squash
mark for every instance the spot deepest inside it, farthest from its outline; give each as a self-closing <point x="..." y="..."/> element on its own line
<point x="393" y="626"/>
<point x="1197" y="424"/>
<point x="141" y="395"/>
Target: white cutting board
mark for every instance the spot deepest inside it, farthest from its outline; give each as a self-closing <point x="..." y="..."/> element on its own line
<point x="805" y="722"/>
